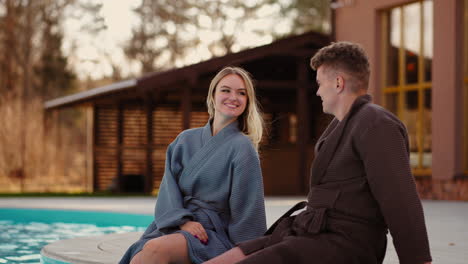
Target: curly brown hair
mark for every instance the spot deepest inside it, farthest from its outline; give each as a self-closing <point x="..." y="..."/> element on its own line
<point x="347" y="57"/>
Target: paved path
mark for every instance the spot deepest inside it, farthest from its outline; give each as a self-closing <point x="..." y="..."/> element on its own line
<point x="447" y="226"/>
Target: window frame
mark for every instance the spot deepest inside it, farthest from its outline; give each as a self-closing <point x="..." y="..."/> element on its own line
<point x="402" y="87"/>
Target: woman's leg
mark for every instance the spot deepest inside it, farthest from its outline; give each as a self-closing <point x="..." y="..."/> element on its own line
<point x="165" y="249"/>
<point x="231" y="256"/>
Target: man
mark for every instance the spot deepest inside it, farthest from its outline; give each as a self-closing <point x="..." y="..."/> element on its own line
<point x="361" y="184"/>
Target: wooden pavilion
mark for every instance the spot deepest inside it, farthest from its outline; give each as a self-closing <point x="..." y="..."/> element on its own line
<point x="132" y="122"/>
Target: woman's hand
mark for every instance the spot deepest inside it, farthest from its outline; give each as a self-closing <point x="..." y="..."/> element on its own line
<point x="196" y="229"/>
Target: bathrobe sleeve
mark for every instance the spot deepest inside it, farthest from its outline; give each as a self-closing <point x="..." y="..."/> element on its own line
<point x="384" y="151"/>
<point x="246" y="201"/>
<point x="170" y="211"/>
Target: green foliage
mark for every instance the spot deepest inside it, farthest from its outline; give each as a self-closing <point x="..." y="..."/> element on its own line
<point x="158" y="33"/>
<point x="52" y="71"/>
<point x="33" y="63"/>
<point x="169" y="30"/>
<point x="33" y="67"/>
<point x="308" y="15"/>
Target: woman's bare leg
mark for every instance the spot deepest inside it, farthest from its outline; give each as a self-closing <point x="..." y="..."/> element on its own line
<point x="231" y="256"/>
<point x="165" y="249"/>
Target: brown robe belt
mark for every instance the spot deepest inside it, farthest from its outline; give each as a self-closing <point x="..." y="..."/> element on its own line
<point x="296" y="207"/>
<point x="311" y="222"/>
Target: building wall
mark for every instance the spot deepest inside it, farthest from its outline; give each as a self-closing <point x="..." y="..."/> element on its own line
<point x="360" y="21"/>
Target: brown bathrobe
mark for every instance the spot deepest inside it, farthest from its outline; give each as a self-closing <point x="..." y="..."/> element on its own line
<point x="361" y="186"/>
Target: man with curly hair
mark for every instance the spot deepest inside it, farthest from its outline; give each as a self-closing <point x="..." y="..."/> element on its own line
<point x="361" y="184"/>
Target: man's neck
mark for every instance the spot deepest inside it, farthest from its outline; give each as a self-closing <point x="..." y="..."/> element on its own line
<point x="346" y="103"/>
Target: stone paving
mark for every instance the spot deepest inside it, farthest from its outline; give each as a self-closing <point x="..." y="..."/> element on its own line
<point x="446" y="220"/>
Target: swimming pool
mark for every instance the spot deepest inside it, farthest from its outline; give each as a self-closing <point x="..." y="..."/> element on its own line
<point x="23" y="232"/>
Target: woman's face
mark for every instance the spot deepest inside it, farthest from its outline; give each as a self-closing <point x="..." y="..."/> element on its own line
<point x="230" y="98"/>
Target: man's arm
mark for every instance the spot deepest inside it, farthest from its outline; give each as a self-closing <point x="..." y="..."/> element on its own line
<point x="384" y="150"/>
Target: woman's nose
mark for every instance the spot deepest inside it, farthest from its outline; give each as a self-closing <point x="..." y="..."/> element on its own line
<point x="233" y="96"/>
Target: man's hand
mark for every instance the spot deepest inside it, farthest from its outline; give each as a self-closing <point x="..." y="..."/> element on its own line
<point x="196" y="229"/>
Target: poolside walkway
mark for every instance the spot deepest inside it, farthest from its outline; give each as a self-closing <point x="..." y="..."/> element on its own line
<point x="447" y="223"/>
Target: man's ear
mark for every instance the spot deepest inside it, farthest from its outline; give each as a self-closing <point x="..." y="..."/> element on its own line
<point x="339" y="84"/>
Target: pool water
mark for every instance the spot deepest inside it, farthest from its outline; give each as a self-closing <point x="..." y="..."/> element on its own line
<point x="23" y="232"/>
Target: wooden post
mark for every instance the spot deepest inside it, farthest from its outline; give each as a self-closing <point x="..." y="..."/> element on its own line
<point x="90" y="148"/>
<point x="186" y="107"/>
<point x="46" y="128"/>
<point x="95" y="131"/>
<point x="59" y="149"/>
<point x="149" y="178"/>
<point x="186" y="101"/>
<point x="303" y="123"/>
<point x="119" y="145"/>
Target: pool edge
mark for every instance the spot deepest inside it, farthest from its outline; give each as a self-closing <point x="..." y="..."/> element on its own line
<point x="47" y="260"/>
<point x="104" y="249"/>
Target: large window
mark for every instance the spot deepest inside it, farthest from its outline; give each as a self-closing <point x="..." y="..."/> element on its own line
<point x="465" y="29"/>
<point x="407" y="57"/>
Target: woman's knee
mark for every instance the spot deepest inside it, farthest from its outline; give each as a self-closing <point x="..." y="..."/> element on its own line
<point x="136" y="259"/>
<point x="166" y="249"/>
<point x="154" y="246"/>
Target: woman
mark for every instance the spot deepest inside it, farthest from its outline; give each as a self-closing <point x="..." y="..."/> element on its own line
<point x="211" y="196"/>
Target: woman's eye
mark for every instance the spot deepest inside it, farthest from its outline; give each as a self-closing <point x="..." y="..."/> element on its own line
<point x="242" y="93"/>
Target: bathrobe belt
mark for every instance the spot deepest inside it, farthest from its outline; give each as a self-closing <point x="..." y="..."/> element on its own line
<point x="320" y="214"/>
<point x="194" y="204"/>
<point x="309" y="222"/>
<point x="313" y="220"/>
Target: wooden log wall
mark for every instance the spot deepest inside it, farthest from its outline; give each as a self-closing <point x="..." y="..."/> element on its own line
<point x="130" y="156"/>
<point x="134" y="141"/>
<point x="105" y="151"/>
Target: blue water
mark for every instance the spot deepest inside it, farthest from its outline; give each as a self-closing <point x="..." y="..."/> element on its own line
<point x="23" y="232"/>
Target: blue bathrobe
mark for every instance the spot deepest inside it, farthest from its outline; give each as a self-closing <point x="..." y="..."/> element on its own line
<point x="214" y="180"/>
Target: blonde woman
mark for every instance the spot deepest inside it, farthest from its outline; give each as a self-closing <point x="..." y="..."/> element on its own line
<point x="211" y="196"/>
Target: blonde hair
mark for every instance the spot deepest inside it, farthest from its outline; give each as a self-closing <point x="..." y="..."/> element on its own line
<point x="250" y="121"/>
